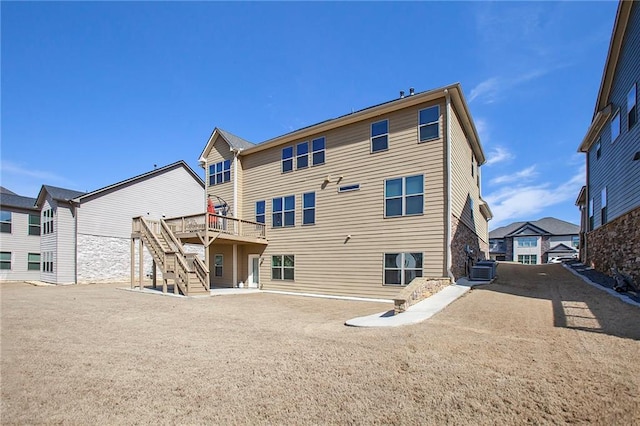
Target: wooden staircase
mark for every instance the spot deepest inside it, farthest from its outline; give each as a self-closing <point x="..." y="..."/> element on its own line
<point x="188" y="272"/>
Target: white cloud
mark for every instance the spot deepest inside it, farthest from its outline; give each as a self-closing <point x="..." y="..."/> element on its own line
<point x="524" y="202"/>
<point x="27" y="181"/>
<point x="488" y="89"/>
<point x="498" y="154"/>
<point x="494" y="89"/>
<point x="522" y="175"/>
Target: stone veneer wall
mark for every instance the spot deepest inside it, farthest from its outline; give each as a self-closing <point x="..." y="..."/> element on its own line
<point x="463" y="236"/>
<point x="108" y="259"/>
<point x="509" y="250"/>
<point x="545" y="247"/>
<point x="616" y="244"/>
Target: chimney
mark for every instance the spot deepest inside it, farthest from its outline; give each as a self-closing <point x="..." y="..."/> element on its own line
<point x="401" y="94"/>
<point x="411" y="91"/>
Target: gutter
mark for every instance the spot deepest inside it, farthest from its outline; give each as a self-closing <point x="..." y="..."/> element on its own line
<point x="236" y="152"/>
<point x="448" y="193"/>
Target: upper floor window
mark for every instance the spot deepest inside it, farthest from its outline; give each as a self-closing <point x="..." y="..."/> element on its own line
<point x="309" y="208"/>
<point x="527" y="241"/>
<point x="34" y="225"/>
<point x="402" y="268"/>
<point x="472" y="165"/>
<point x="632" y="114"/>
<point x="615" y="126"/>
<point x="380" y="136"/>
<point x="47" y="221"/>
<point x="260" y="211"/>
<point x="220" y="172"/>
<point x="287" y="159"/>
<point x="598" y="149"/>
<point x="302" y="155"/>
<point x="404" y="196"/>
<point x="284" y="211"/>
<point x="429" y="123"/>
<point x="603" y="206"/>
<point x="318" y="148"/>
<point x="33" y="262"/>
<point x="5" y="222"/>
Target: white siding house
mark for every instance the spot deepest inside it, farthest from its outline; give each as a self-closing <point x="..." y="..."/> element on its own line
<point x="19" y="238"/>
<point x="91" y="234"/>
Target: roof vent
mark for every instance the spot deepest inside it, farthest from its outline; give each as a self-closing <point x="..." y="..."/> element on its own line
<point x="401" y="94"/>
<point x="411" y="91"/>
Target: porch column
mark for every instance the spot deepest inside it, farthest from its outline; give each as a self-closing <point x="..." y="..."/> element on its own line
<point x="133" y="262"/>
<point x="235" y="265"/>
<point x="153" y="272"/>
<point x="141" y="266"/>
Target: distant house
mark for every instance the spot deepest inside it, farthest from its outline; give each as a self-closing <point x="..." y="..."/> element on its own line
<point x="19" y="237"/>
<point x="535" y="242"/>
<point x="86" y="236"/>
<point x="610" y="200"/>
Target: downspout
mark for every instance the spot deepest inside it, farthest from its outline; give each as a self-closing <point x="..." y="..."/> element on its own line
<point x="588" y="218"/>
<point x="448" y="235"/>
<point x="236" y="152"/>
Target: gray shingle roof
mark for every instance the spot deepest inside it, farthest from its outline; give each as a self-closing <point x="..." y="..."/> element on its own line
<point x="4" y="190"/>
<point x="13" y="200"/>
<point x="235" y="141"/>
<point x="62" y="194"/>
<point x="551" y="225"/>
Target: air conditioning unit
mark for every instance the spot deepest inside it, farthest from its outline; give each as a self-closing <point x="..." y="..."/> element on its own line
<point x="492" y="264"/>
<point x="481" y="273"/>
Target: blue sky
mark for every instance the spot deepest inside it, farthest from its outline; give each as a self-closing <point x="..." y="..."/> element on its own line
<point x="94" y="93"/>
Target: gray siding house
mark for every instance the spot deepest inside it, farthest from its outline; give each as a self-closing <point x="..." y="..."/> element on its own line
<point x="610" y="200"/>
<point x="86" y="236"/>
<point x="534" y="242"/>
<point x="19" y="237"/>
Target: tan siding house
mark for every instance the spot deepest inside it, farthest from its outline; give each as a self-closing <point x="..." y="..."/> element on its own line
<point x="358" y="205"/>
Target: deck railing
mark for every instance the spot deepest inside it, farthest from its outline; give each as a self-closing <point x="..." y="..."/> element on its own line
<point x="217" y="223"/>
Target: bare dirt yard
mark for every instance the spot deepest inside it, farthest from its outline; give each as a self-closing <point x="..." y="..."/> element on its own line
<point x="536" y="346"/>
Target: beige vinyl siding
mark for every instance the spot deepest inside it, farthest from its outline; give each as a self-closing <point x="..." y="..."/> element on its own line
<point x="20" y="244"/>
<point x="324" y="261"/>
<point x="465" y="186"/>
<point x="226" y="280"/>
<point x="173" y="193"/>
<point x="219" y="152"/>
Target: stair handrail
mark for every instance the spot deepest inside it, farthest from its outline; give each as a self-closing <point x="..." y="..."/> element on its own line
<point x="199" y="268"/>
<point x="153" y="242"/>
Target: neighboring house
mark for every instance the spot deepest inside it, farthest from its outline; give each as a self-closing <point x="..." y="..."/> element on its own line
<point x="19" y="237"/>
<point x="534" y="242"/>
<point x="359" y="205"/>
<point x="610" y="200"/>
<point x="86" y="237"/>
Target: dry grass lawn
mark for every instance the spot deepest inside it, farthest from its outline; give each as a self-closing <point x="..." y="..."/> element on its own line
<point x="537" y="346"/>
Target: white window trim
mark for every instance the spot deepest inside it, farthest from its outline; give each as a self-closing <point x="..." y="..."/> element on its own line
<point x="437" y="122"/>
<point x="614" y="117"/>
<point x="371" y="137"/>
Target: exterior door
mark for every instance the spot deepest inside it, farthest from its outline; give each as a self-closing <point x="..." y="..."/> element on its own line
<point x="253" y="281"/>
